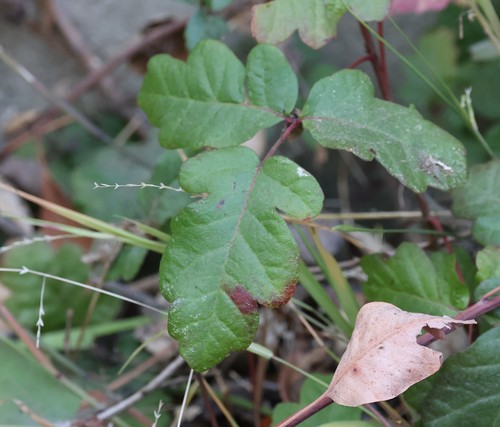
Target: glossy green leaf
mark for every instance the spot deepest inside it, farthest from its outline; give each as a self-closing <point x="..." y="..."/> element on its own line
<point x="342" y="112"/>
<point x="58" y="298"/>
<point x="231" y="251"/>
<point x="310" y="391"/>
<point x="201" y="103"/>
<point x="466" y="392"/>
<point x="203" y="26"/>
<point x="316" y="20"/>
<point x="271" y="80"/>
<point x="373" y="10"/>
<point x="414" y="282"/>
<point x="23" y="378"/>
<point x="479" y="200"/>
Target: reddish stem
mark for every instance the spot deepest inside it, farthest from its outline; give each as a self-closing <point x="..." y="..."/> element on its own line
<point x="321" y="402"/>
<point x="360" y="61"/>
<point x="379" y="65"/>
<point x="481" y="307"/>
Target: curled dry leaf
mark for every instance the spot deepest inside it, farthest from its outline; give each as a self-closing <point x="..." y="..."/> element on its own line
<point x="383" y="358"/>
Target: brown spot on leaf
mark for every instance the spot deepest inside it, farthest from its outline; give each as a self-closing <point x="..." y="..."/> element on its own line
<point x="243" y="300"/>
<point x="284" y="298"/>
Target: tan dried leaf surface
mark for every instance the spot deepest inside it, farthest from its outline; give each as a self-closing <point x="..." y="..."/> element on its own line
<point x="383" y="358"/>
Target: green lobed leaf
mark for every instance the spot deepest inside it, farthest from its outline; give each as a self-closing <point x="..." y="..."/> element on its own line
<point x="373" y="10"/>
<point x="342" y="112"/>
<point x="231" y="251"/>
<point x="466" y="392"/>
<point x="316" y="20"/>
<point x="201" y="103"/>
<point x="479" y="200"/>
<point x="271" y="81"/>
<point x="310" y="391"/>
<point x="414" y="282"/>
<point x="58" y="298"/>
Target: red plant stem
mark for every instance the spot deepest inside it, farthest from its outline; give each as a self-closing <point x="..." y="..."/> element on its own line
<point x="294" y="124"/>
<point x="481" y="307"/>
<point x="321" y="402"/>
<point x="379" y="66"/>
<point x="383" y="61"/>
<point x="360" y="61"/>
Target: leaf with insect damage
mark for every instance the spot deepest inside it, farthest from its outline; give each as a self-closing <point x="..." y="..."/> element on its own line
<point x="342" y="112"/>
<point x="204" y="102"/>
<point x="383" y="358"/>
<point x="231" y="251"/>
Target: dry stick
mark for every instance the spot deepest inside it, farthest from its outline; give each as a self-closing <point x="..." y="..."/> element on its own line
<point x="28" y="342"/>
<point x="206" y="400"/>
<point x="88" y="58"/>
<point x="44" y="360"/>
<point x="65" y="106"/>
<point x="134" y="373"/>
<point x="58" y="102"/>
<point x="45" y="124"/>
<point x="219" y="404"/>
<point x="154" y="384"/>
<point x="77" y="44"/>
<point x="94" y="77"/>
<point x="99" y="284"/>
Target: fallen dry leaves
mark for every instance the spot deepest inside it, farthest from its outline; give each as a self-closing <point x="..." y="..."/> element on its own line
<point x="383" y="358"/>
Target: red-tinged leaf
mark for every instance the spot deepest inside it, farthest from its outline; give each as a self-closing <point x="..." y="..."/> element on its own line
<point x="383" y="358"/>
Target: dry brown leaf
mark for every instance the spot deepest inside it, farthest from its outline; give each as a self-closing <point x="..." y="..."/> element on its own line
<point x="383" y="358"/>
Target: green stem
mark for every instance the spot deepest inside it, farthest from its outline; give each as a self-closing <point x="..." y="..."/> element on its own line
<point x="489" y="21"/>
<point x="324" y="300"/>
<point x="336" y="278"/>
